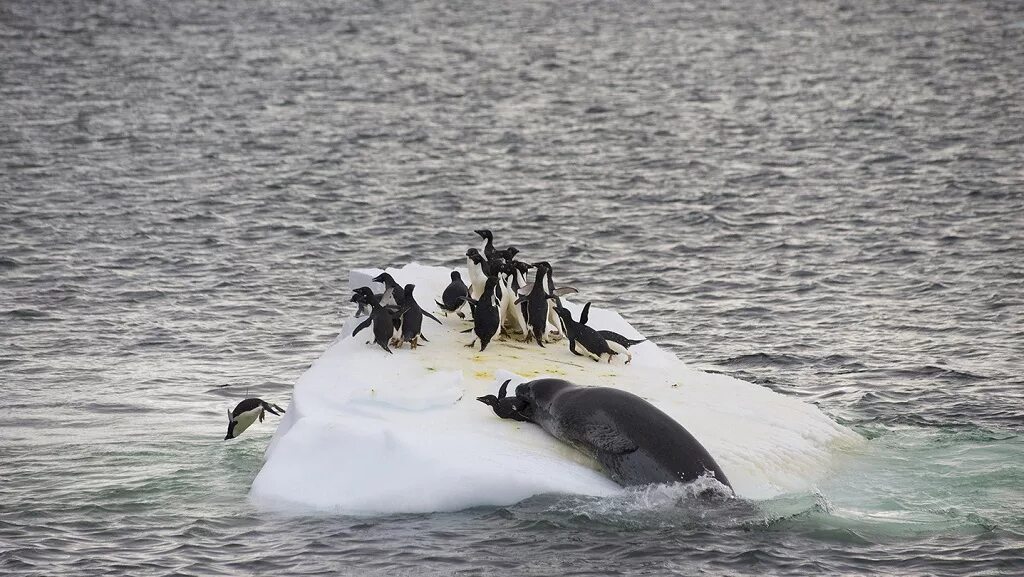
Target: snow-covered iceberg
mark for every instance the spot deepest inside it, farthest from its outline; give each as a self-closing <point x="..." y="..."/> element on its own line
<point x="373" y="433"/>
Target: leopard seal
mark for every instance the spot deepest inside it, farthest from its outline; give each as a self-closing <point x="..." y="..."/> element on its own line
<point x="635" y="442"/>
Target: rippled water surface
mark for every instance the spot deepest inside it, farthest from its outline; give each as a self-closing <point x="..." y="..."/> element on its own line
<point x="826" y="198"/>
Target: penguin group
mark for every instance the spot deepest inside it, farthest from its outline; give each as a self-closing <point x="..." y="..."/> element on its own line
<point x="499" y="299"/>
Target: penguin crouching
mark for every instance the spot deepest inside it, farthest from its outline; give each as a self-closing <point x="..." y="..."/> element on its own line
<point x="579" y="332"/>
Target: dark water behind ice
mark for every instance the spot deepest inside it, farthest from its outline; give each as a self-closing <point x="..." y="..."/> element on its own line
<point x="826" y="198"/>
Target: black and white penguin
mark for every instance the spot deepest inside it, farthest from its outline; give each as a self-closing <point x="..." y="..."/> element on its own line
<point x="475" y="269"/>
<point x="412" y="321"/>
<point x="488" y="248"/>
<point x="363" y="296"/>
<point x="508" y="255"/>
<point x="452" y="299"/>
<point x="397" y="293"/>
<point x="384" y="320"/>
<point x="579" y="332"/>
<point x="537" y="306"/>
<point x="506" y="407"/>
<point x="486" y="316"/>
<point x="246" y="413"/>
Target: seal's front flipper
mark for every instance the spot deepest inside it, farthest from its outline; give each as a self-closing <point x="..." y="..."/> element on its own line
<point x="607" y="438"/>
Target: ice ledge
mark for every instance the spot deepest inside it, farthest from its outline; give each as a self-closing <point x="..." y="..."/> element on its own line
<point x="372" y="433"/>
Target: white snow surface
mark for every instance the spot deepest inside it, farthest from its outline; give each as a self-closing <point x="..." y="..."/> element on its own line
<point x="371" y="433"/>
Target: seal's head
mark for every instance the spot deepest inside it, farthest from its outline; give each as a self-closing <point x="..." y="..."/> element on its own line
<point x="537" y="396"/>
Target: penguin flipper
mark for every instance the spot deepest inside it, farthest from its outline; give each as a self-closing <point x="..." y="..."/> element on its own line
<point x="526" y="289"/>
<point x="564" y="290"/>
<point x="426" y="314"/>
<point x="270" y="408"/>
<point x="585" y="314"/>
<point x="469" y="330"/>
<point x="522" y="299"/>
<point x="424" y="338"/>
<point x="441" y="306"/>
<point x="504" y="389"/>
<point x="363" y="325"/>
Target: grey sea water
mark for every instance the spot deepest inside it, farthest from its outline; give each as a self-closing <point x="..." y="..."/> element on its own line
<point x="825" y="198"/>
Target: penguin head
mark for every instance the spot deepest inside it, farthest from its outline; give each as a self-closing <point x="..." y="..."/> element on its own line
<point x="563" y="313"/>
<point x="511" y="252"/>
<point x="408" y="290"/>
<point x="456" y="276"/>
<point x="489" y="400"/>
<point x="384" y="278"/>
<point x="484" y="234"/>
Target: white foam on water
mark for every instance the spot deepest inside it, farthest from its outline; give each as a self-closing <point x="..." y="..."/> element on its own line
<point x="373" y="433"/>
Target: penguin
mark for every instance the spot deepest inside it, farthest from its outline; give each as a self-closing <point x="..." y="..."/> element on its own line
<point x="477" y="278"/>
<point x="486" y="317"/>
<point x="537" y="306"/>
<point x="246" y="413"/>
<point x="488" y="248"/>
<point x="362" y="296"/>
<point x="516" y="311"/>
<point x="412" y="321"/>
<point x="397" y="294"/>
<point x="508" y="255"/>
<point x="550" y="287"/>
<point x="505" y="407"/>
<point x="384" y="321"/>
<point x="452" y="299"/>
<point x="617" y="341"/>
<point x="579" y="332"/>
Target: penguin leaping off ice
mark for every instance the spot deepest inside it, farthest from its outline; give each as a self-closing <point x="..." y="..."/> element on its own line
<point x="246" y="413"/>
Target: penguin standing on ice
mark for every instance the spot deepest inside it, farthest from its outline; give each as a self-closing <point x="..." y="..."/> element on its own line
<point x="363" y="296"/>
<point x="488" y="247"/>
<point x="486" y="317"/>
<point x="452" y="299"/>
<point x="477" y="277"/>
<point x="579" y="332"/>
<point x="246" y="413"/>
<point x="384" y="320"/>
<point x="412" y="321"/>
<point x="537" y="306"/>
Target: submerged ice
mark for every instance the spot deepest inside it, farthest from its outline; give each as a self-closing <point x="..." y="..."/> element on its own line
<point x="373" y="433"/>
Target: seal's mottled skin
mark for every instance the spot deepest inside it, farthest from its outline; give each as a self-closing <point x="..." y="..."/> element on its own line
<point x="636" y="442"/>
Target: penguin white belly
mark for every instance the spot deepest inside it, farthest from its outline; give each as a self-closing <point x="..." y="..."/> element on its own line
<point x="503" y="302"/>
<point x="477" y="280"/>
<point x="244" y="420"/>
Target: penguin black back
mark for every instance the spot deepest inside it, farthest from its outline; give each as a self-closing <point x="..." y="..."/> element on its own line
<point x="486" y="316"/>
<point x="452" y="298"/>
<point x="584" y="335"/>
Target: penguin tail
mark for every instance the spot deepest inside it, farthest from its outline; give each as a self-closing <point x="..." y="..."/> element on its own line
<point x="483" y="345"/>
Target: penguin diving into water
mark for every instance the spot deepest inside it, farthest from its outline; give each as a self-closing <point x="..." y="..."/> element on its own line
<point x="246" y="413"/>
